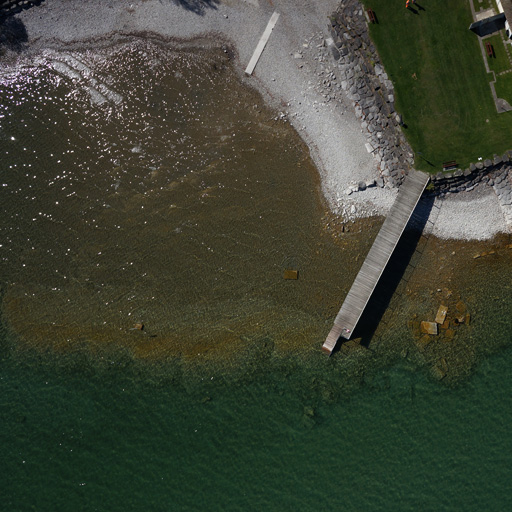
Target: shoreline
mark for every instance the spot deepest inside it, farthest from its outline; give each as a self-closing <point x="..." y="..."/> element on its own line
<point x="294" y="74"/>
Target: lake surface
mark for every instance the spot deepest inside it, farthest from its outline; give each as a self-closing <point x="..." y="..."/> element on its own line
<point x="147" y="185"/>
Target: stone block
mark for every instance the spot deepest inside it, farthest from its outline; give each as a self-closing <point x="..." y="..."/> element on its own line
<point x="487" y="163"/>
<point x="423" y="342"/>
<point x="460" y="307"/>
<point x="334" y="52"/>
<point x="428" y="328"/>
<point x="449" y="335"/>
<point x="291" y="274"/>
<point x="441" y="314"/>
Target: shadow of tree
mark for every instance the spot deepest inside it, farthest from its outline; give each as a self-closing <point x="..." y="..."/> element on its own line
<point x="13" y="34"/>
<point x="11" y="7"/>
<point x="197" y="6"/>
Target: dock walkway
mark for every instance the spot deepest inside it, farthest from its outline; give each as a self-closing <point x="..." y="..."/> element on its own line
<point x="377" y="259"/>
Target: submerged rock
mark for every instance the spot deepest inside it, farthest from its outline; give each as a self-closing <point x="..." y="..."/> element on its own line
<point x="428" y="328"/>
<point x="441" y="314"/>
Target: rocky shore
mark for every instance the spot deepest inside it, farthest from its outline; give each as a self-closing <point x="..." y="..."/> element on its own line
<point x="371" y="92"/>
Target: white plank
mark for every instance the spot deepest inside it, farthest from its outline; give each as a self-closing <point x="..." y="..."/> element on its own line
<point x="261" y="44"/>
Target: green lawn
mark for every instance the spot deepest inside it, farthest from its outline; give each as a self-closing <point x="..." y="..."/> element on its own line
<point x="441" y="86"/>
<point x="499" y="63"/>
<point x="504" y="88"/>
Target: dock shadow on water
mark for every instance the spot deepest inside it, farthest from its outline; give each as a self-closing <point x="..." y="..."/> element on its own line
<point x="396" y="270"/>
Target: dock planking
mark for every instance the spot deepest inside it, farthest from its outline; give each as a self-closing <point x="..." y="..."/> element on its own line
<point x="377" y="259"/>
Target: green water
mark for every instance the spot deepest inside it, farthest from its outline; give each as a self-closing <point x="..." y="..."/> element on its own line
<point x="108" y="441"/>
<point x="147" y="184"/>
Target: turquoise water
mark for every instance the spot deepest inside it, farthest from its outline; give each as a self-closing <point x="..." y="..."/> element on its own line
<point x="176" y="199"/>
<point x="113" y="441"/>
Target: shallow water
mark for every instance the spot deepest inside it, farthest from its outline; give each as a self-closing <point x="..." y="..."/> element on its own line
<point x="146" y="184"/>
<point x="179" y="208"/>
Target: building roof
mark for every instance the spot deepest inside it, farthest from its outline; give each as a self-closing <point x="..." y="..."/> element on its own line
<point x="489" y="25"/>
<point x="507" y="9"/>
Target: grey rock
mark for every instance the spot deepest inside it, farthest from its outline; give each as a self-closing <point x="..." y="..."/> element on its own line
<point x="487" y="163"/>
<point x="362" y="185"/>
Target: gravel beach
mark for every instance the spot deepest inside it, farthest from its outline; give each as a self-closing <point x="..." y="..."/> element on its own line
<point x="293" y="73"/>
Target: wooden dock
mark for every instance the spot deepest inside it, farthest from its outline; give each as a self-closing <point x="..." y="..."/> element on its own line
<point x="377" y="259"/>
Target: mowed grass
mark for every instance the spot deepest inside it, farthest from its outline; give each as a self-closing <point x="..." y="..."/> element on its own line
<point x="499" y="63"/>
<point x="441" y="86"/>
<point x="504" y="87"/>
